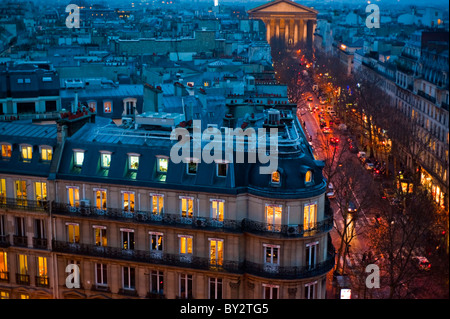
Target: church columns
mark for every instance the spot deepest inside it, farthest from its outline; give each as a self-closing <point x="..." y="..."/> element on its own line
<point x="290" y="30"/>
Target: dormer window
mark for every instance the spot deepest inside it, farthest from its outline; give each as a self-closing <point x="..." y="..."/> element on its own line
<point x="276" y="178"/>
<point x="162" y="163"/>
<point x="46" y="153"/>
<point x="6" y="151"/>
<point x="133" y="161"/>
<point x="221" y="168"/>
<point x="308" y="177"/>
<point x="105" y="159"/>
<point x="191" y="166"/>
<point x="78" y="158"/>
<point x="26" y="152"/>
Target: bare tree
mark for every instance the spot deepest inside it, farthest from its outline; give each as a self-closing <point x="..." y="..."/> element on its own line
<point x="400" y="234"/>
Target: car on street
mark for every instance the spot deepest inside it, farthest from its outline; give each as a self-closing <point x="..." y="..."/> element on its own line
<point x="353" y="148"/>
<point x="327" y="130"/>
<point x="330" y="191"/>
<point x="310" y="98"/>
<point x="368" y="165"/>
<point x="334" y="140"/>
<point x="361" y="154"/>
<point x="351" y="207"/>
<point x="422" y="263"/>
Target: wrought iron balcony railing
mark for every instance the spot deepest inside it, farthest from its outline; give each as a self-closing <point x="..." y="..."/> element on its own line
<point x="24" y="204"/>
<point x="197" y="222"/>
<point x="23" y="279"/>
<point x="42" y="281"/>
<point x="202" y="263"/>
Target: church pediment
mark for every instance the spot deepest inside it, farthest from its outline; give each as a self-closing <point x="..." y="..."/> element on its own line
<point x="282" y="6"/>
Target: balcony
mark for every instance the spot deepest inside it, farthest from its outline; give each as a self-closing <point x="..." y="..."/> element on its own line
<point x="40" y="243"/>
<point x="426" y="96"/>
<point x="42" y="281"/>
<point x="155" y="295"/>
<point x="128" y="292"/>
<point x="22" y="279"/>
<point x="21" y="241"/>
<point x="202" y="263"/>
<point x="293" y="230"/>
<point x="4" y="276"/>
<point x="206" y="223"/>
<point x="25" y="204"/>
<point x="4" y="241"/>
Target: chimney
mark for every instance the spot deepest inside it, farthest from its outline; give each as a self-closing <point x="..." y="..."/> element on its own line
<point x="152" y="98"/>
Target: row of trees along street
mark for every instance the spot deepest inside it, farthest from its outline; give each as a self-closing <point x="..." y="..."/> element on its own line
<point x="416" y="226"/>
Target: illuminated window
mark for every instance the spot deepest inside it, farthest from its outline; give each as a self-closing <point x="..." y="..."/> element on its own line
<point x="273" y="217"/>
<point x="185" y="244"/>
<point x="2" y="191"/>
<point x="309" y="216"/>
<point x="156" y="241"/>
<point x="216" y="251"/>
<point x="133" y="161"/>
<point x="100" y="198"/>
<point x="276" y="177"/>
<point x="21" y="192"/>
<point x="78" y="158"/>
<point x="6" y="151"/>
<point x="40" y="190"/>
<point x="128" y="201"/>
<point x="26" y="152"/>
<point x="308" y="177"/>
<point x="100" y="235"/>
<point x="23" y="264"/>
<point x="105" y="160"/>
<point x="3" y="265"/>
<point x="24" y="296"/>
<point x="107" y="107"/>
<point x="187" y="206"/>
<point x="127" y="238"/>
<point x="157" y="204"/>
<point x="162" y="164"/>
<point x="73" y="233"/>
<point x="92" y="105"/>
<point x="73" y="196"/>
<point x="42" y="271"/>
<point x="46" y="153"/>
<point x="217" y="209"/>
<point x="4" y="295"/>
